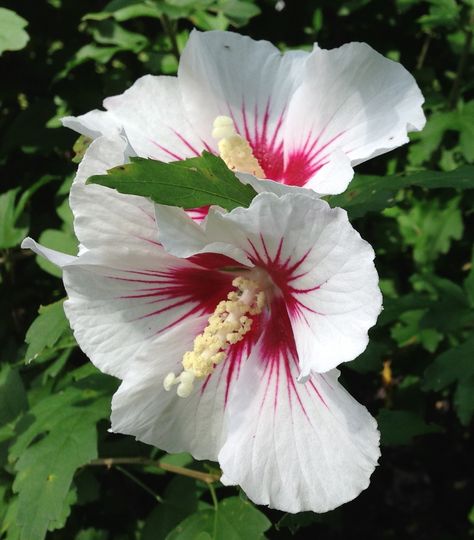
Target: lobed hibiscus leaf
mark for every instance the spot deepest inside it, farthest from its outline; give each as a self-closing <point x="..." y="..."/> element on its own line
<point x="373" y="193"/>
<point x="191" y="183"/>
<point x="57" y="436"/>
<point x="454" y="366"/>
<point x="46" y="329"/>
<point x="232" y="519"/>
<point x="13" y="398"/>
<point x="400" y="427"/>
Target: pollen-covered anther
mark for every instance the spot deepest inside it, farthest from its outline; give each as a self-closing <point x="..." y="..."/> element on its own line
<point x="234" y="149"/>
<point x="226" y="326"/>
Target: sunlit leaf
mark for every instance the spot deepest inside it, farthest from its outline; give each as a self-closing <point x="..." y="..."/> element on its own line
<point x="190" y="183"/>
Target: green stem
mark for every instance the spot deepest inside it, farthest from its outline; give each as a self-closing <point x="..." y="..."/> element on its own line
<point x="216" y="507"/>
<point x="137" y="481"/>
<point x="208" y="478"/>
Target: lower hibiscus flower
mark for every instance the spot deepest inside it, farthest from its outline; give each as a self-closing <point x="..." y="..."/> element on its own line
<point x="226" y="335"/>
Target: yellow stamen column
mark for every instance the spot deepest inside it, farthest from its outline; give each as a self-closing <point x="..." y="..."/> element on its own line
<point x="234" y="149"/>
<point x="226" y="326"/>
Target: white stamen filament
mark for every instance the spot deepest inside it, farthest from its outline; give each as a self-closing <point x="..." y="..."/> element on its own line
<point x="226" y="326"/>
<point x="234" y="149"/>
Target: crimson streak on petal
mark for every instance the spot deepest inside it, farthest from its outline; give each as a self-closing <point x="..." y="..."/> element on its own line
<point x="198" y="288"/>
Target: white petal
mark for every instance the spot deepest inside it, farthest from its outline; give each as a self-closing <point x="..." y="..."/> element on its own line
<point x="152" y="116"/>
<point x="102" y="154"/>
<point x="297" y="447"/>
<point x="222" y="73"/>
<point x="142" y="408"/>
<point x="270" y="186"/>
<point x="334" y="177"/>
<point x="103" y="216"/>
<point x="321" y="265"/>
<point x="56" y="257"/>
<point x="93" y="124"/>
<point x="354" y="99"/>
<point x="182" y="237"/>
<point x="179" y="234"/>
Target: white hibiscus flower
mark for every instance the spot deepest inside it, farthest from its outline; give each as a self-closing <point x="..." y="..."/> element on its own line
<point x="300" y="119"/>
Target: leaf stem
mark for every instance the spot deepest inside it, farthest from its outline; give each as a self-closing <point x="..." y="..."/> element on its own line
<point x="207" y="478"/>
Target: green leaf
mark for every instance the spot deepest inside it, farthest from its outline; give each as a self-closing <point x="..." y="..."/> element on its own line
<point x="373" y="193"/>
<point x="179" y="500"/>
<point x="400" y="427"/>
<point x="13" y="398"/>
<point x="234" y="519"/>
<point x="59" y="436"/>
<point x="12" y="35"/>
<point x="371" y="359"/>
<point x="190" y="183"/>
<point x="408" y="331"/>
<point x="430" y="228"/>
<point x="46" y="329"/>
<point x="464" y="398"/>
<point x="239" y="12"/>
<point x="111" y="33"/>
<point x="13" y="222"/>
<point x="451" y="366"/>
<point x="441" y="13"/>
<point x="455" y="366"/>
<point x="10" y="233"/>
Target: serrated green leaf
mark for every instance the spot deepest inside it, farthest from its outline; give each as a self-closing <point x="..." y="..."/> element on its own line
<point x="234" y="519"/>
<point x="179" y="500"/>
<point x="430" y="228"/>
<point x="371" y="359"/>
<point x="400" y="427"/>
<point x="242" y="11"/>
<point x="12" y="35"/>
<point x="464" y="398"/>
<point x="59" y="435"/>
<point x="373" y="193"/>
<point x="408" y="331"/>
<point x="191" y="183"/>
<point x="441" y="13"/>
<point x="10" y="233"/>
<point x="451" y="366"/>
<point x="46" y="329"/>
<point x="13" y="398"/>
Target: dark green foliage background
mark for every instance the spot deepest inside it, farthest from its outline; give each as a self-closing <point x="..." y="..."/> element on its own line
<point x="415" y="206"/>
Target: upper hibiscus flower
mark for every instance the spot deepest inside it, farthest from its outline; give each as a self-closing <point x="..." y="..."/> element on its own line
<point x="302" y="119"/>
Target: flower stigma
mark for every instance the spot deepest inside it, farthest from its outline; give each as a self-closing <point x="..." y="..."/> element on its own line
<point x="234" y="149"/>
<point x="229" y="323"/>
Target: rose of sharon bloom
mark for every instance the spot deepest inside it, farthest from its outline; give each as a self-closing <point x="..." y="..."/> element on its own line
<point x="210" y="327"/>
<point x="298" y="118"/>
